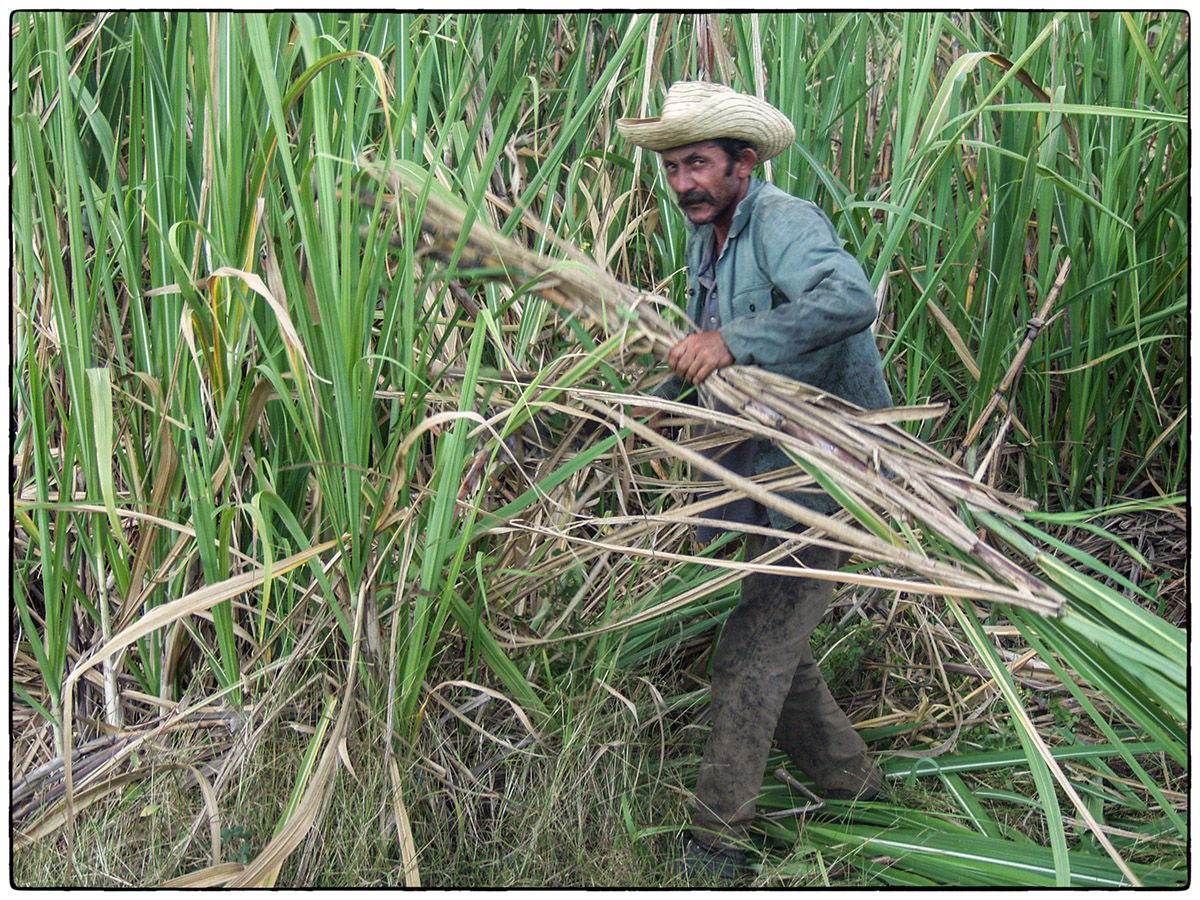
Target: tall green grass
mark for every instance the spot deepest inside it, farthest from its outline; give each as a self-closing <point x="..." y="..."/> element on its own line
<point x="230" y="381"/>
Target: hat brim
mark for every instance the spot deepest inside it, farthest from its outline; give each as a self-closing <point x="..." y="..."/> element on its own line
<point x="726" y="116"/>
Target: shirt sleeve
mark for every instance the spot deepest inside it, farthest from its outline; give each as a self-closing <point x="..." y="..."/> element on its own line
<point x="828" y="297"/>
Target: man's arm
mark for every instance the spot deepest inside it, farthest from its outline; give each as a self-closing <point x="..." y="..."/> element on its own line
<point x="829" y="297"/>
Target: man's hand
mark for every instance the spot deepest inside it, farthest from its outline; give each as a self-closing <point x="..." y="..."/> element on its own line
<point x="699" y="355"/>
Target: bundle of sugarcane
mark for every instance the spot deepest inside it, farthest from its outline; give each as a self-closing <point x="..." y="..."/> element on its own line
<point x="883" y="476"/>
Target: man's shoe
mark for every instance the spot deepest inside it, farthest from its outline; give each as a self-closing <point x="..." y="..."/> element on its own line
<point x="701" y="862"/>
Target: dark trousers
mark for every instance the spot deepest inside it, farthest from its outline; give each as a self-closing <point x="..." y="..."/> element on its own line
<point x="766" y="685"/>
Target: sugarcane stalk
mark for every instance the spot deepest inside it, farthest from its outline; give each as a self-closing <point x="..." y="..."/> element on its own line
<point x="871" y="457"/>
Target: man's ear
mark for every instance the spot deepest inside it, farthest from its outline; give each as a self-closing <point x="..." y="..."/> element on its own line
<point x="746" y="162"/>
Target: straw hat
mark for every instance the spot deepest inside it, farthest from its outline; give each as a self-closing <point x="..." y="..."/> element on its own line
<point x="703" y="111"/>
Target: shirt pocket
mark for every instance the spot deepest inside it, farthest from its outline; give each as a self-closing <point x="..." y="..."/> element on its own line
<point x="755" y="298"/>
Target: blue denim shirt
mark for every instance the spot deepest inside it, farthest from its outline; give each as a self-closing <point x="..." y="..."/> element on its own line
<point x="790" y="300"/>
<point x="742" y="456"/>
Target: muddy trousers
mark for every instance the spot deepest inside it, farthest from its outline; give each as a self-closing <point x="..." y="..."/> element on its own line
<point x="766" y="686"/>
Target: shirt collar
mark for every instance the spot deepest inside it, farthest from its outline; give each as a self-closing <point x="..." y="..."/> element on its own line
<point x="745" y="207"/>
<point x="706" y="272"/>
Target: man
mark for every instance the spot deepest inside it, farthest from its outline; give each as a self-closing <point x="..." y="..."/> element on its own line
<point x="769" y="285"/>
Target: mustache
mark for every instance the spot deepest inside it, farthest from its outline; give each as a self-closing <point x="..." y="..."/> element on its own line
<point x="688" y="198"/>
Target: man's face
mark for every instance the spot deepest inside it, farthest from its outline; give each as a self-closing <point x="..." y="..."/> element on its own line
<point x="708" y="185"/>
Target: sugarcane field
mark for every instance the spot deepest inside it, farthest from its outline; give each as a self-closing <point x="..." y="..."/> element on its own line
<point x="599" y="449"/>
